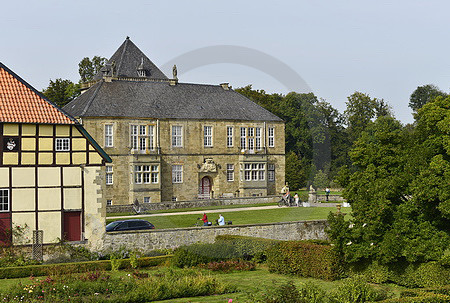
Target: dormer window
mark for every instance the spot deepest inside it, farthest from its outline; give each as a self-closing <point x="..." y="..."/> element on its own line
<point x="140" y="70"/>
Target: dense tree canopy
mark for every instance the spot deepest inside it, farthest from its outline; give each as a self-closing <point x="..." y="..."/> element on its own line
<point x="88" y="68"/>
<point x="400" y="189"/>
<point x="424" y="94"/>
<point x="61" y="91"/>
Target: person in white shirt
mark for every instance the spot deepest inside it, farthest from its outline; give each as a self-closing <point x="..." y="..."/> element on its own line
<point x="221" y="220"/>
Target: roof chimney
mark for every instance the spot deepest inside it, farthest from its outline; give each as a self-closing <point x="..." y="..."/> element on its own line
<point x="225" y="86"/>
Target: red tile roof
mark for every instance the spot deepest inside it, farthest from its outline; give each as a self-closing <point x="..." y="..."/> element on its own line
<point x="21" y="103"/>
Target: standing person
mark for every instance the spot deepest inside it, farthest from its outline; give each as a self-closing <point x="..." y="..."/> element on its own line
<point x="204" y="219"/>
<point x="221" y="220"/>
<point x="296" y="199"/>
<point x="327" y="192"/>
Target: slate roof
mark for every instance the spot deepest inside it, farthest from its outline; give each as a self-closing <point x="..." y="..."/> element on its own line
<point x="127" y="60"/>
<point x="21" y="103"/>
<point x="147" y="99"/>
<point x="127" y="95"/>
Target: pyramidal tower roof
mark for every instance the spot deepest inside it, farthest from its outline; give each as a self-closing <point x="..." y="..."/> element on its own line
<point x="130" y="62"/>
<point x="21" y="103"/>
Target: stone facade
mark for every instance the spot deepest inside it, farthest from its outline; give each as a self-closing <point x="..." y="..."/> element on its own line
<point x="197" y="162"/>
<point x="172" y="238"/>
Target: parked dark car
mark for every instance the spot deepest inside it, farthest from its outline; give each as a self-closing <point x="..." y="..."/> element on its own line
<point x="133" y="224"/>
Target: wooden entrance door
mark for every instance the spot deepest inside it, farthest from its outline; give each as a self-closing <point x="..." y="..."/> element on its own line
<point x="72" y="226"/>
<point x="5" y="229"/>
<point x="205" y="188"/>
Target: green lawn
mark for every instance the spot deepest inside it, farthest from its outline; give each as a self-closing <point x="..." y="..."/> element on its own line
<point x="282" y="214"/>
<point x="206" y="208"/>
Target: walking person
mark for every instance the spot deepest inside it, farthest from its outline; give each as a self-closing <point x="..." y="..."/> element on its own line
<point x="327" y="192"/>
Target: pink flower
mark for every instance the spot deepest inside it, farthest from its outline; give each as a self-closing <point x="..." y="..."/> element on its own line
<point x="230" y="301"/>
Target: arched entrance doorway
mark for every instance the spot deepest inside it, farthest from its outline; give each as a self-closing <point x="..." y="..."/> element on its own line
<point x="205" y="188"/>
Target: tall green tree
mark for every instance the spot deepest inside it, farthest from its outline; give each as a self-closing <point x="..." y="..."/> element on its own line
<point x="400" y="189"/>
<point x="88" y="68"/>
<point x="61" y="91"/>
<point x="424" y="94"/>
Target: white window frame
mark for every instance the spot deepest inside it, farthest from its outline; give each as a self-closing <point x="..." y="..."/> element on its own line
<point x="138" y="174"/>
<point x="62" y="144"/>
<point x="146" y="175"/>
<point x="4" y="195"/>
<point x="271" y="136"/>
<point x="258" y="138"/>
<point x="243" y="133"/>
<point x="147" y="199"/>
<point x="142" y="137"/>
<point x="247" y="172"/>
<point x="151" y="137"/>
<point x="177" y="136"/>
<point x="207" y="136"/>
<point x="109" y="175"/>
<point x="177" y="173"/>
<point x="261" y="171"/>
<point x="254" y="171"/>
<point x="109" y="135"/>
<point x="230" y="172"/>
<point x="108" y="202"/>
<point x="154" y="178"/>
<point x="230" y="136"/>
<point x="271" y="172"/>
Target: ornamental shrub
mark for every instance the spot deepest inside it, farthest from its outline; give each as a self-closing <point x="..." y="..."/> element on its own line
<point x="304" y="259"/>
<point x="248" y="248"/>
<point x="192" y="255"/>
<point x="355" y="290"/>
<point x="229" y="265"/>
<point x="430" y="274"/>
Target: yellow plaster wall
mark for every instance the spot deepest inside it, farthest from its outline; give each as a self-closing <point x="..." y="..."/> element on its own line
<point x="23" y="199"/>
<point x="28" y="144"/>
<point x="62" y="130"/>
<point x="46" y="144"/>
<point x="4" y="177"/>
<point x="22" y="219"/>
<point x="45" y="158"/>
<point x="62" y="158"/>
<point x="72" y="198"/>
<point x="49" y="198"/>
<point x="95" y="158"/>
<point x="72" y="176"/>
<point x="28" y="158"/>
<point x="78" y="144"/>
<point x="10" y="158"/>
<point x="10" y="129"/>
<point x="45" y="130"/>
<point x="76" y="133"/>
<point x="23" y="177"/>
<point x="50" y="223"/>
<point x="49" y="176"/>
<point x="28" y="129"/>
<point x="79" y="158"/>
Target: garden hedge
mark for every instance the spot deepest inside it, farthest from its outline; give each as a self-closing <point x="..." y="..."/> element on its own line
<point x="202" y="253"/>
<point x="248" y="247"/>
<point x="66" y="268"/>
<point x="304" y="259"/>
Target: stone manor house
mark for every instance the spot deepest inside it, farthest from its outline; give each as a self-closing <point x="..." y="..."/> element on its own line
<point x="172" y="141"/>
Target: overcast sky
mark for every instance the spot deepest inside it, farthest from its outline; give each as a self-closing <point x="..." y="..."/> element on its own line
<point x="334" y="48"/>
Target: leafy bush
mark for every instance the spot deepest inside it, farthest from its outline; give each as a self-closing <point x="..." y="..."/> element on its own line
<point x="430" y="274"/>
<point x="192" y="255"/>
<point x="229" y="265"/>
<point x="355" y="290"/>
<point x="248" y="248"/>
<point x="69" y="268"/>
<point x="372" y="272"/>
<point x="304" y="259"/>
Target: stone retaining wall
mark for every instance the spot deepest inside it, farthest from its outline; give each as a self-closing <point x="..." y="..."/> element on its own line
<point x="337" y="198"/>
<point x="172" y="238"/>
<point x="191" y="204"/>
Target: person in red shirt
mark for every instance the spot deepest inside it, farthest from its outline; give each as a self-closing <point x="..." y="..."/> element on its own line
<point x="205" y="219"/>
